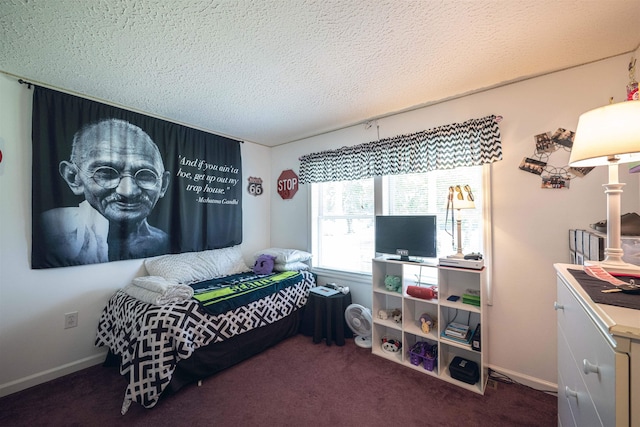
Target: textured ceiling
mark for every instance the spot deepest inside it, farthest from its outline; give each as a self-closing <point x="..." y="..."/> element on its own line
<point x="272" y="72"/>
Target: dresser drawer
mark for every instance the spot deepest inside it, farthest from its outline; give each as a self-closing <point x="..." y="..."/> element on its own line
<point x="604" y="372"/>
<point x="565" y="417"/>
<point x="575" y="406"/>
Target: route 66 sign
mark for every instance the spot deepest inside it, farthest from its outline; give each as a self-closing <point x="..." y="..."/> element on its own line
<point x="255" y="186"/>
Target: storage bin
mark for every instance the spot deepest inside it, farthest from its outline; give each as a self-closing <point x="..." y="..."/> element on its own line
<point x="425" y="354"/>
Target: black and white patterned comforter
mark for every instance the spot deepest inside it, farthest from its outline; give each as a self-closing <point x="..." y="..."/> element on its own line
<point x="152" y="339"/>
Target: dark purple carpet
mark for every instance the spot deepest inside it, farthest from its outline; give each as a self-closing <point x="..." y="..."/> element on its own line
<point x="295" y="383"/>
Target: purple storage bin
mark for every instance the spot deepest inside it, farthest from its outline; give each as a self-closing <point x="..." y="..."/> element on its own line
<point x="430" y="362"/>
<point x="425" y="354"/>
<point x="416" y="352"/>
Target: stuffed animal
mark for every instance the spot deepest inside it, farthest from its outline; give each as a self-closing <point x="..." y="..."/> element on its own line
<point x="264" y="264"/>
<point x="393" y="283"/>
<point x="426" y="323"/>
<point x="391" y="345"/>
<point x="396" y="314"/>
<point x="383" y="314"/>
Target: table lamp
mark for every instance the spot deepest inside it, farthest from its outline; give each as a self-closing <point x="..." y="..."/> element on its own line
<point x="610" y="135"/>
<point x="459" y="197"/>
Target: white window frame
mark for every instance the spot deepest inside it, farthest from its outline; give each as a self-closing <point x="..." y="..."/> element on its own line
<point x="315" y="206"/>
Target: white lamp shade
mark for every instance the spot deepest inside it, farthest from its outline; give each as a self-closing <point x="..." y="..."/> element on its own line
<point x="607" y="133"/>
<point x="463" y="204"/>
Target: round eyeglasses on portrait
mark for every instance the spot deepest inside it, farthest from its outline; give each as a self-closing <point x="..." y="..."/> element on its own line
<point x="109" y="178"/>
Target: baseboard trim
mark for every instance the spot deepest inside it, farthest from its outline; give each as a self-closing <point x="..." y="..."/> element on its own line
<point x="50" y="374"/>
<point x="527" y="380"/>
<point x="60" y="371"/>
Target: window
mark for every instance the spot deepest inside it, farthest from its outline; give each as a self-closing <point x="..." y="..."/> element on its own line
<point x="426" y="193"/>
<point x="343" y="214"/>
<point x="343" y="224"/>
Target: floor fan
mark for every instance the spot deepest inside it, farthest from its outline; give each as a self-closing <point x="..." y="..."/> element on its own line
<point x="360" y="322"/>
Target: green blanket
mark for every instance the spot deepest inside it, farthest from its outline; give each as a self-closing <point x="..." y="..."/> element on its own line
<point x="228" y="293"/>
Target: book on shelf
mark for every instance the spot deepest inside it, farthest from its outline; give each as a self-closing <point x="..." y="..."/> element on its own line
<point x="457" y="330"/>
<point x="465" y="340"/>
<point x="471" y="299"/>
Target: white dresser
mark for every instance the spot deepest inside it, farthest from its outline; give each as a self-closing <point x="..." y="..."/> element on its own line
<point x="598" y="358"/>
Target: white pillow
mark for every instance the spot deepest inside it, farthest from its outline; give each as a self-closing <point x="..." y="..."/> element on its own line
<point x="290" y="266"/>
<point x="284" y="256"/>
<point x="191" y="267"/>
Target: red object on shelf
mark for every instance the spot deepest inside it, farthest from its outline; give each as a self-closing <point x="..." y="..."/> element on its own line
<point x="421" y="292"/>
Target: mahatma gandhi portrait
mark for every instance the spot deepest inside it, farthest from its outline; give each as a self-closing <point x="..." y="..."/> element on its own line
<point x="119" y="171"/>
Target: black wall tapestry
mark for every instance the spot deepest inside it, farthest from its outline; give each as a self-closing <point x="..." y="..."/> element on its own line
<point x="111" y="184"/>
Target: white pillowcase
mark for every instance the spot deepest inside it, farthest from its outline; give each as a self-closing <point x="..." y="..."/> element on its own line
<point x="191" y="267"/>
<point x="285" y="256"/>
<point x="290" y="266"/>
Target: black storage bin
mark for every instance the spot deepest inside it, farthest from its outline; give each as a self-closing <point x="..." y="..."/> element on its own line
<point x="464" y="370"/>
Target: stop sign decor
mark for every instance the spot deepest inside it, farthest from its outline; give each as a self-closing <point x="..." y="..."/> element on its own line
<point x="287" y="184"/>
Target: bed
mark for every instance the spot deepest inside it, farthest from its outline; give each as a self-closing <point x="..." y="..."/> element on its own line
<point x="233" y="314"/>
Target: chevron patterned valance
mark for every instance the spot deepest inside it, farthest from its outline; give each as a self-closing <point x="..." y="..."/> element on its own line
<point x="472" y="143"/>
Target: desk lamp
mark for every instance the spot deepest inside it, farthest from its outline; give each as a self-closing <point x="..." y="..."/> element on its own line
<point x="460" y="197"/>
<point x="610" y="135"/>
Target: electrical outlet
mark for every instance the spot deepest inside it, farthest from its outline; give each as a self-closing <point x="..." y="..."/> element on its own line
<point x="70" y="320"/>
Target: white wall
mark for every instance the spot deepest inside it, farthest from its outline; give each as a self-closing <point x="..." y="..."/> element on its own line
<point x="530" y="224"/>
<point x="34" y="346"/>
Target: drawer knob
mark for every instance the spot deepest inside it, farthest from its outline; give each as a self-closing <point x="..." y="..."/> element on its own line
<point x="570" y="393"/>
<point x="589" y="367"/>
<point x="557" y="306"/>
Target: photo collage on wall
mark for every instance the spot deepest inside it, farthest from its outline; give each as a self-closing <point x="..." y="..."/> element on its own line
<point x="546" y="144"/>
